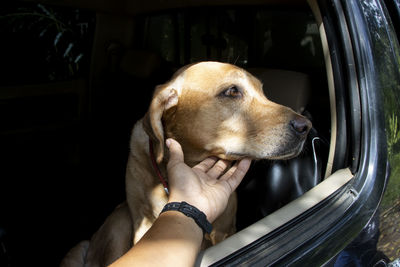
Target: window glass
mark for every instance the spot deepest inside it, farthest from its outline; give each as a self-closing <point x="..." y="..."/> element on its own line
<point x="159" y="35"/>
<point x="288" y="43"/>
<point x="246" y="37"/>
<point x="42" y="43"/>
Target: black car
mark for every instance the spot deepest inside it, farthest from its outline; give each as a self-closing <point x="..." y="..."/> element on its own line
<point x="76" y="75"/>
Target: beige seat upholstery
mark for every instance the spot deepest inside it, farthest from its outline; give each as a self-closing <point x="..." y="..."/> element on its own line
<point x="285" y="87"/>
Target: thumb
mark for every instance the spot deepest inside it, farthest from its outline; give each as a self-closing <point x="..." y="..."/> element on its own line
<point x="175" y="152"/>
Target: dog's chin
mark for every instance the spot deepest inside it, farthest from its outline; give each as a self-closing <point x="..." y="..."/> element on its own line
<point x="284" y="153"/>
<point x="287" y="156"/>
<point x="234" y="156"/>
<point x="289" y="152"/>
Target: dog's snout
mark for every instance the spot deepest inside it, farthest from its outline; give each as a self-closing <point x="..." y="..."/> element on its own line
<point x="300" y="125"/>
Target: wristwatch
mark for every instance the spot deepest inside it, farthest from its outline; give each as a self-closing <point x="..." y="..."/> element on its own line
<point x="190" y="211"/>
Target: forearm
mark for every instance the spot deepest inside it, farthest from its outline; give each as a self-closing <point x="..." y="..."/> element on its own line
<point x="173" y="240"/>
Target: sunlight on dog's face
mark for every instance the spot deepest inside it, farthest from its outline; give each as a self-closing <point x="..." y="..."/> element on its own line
<point x="222" y="111"/>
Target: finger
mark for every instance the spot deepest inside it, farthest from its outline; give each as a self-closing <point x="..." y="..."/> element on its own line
<point x="175" y="152"/>
<point x="219" y="168"/>
<point x="236" y="173"/>
<point x="206" y="164"/>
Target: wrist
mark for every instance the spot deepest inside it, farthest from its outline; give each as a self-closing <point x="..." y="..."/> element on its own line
<point x="181" y="219"/>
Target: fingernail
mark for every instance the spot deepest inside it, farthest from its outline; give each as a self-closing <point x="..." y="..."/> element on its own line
<point x="168" y="142"/>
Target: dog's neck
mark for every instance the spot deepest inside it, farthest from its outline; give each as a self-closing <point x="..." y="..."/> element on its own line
<point x="162" y="179"/>
<point x="139" y="161"/>
<point x="140" y="157"/>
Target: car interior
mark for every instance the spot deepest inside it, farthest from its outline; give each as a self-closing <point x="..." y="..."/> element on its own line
<point x="76" y="76"/>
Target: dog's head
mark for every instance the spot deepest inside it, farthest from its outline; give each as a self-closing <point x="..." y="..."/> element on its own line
<point x="217" y="109"/>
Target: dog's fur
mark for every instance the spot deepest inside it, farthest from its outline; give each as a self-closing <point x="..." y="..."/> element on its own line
<point x="211" y="109"/>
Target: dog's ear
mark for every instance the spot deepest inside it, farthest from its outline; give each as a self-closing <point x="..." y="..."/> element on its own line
<point x="164" y="98"/>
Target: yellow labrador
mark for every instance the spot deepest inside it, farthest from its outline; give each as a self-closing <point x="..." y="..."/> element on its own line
<point x="211" y="109"/>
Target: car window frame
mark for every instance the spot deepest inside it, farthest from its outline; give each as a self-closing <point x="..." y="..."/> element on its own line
<point x="356" y="202"/>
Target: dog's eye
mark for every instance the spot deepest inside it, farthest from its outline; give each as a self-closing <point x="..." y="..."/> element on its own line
<point x="233" y="92"/>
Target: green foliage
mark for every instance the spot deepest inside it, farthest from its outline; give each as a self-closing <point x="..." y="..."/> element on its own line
<point x="393" y="135"/>
<point x="392" y="194"/>
<point x="56" y="40"/>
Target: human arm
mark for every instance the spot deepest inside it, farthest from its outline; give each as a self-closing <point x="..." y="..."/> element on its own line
<point x="175" y="239"/>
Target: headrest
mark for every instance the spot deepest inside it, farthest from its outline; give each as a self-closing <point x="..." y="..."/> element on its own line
<point x="285" y="87"/>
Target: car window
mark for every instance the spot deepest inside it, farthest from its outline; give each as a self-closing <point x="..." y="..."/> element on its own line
<point x="263" y="41"/>
<point x="49" y="49"/>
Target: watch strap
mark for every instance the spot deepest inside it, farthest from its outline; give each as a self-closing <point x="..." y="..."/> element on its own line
<point x="190" y="211"/>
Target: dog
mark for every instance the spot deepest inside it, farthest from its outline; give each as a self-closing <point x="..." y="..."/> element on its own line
<point x="211" y="109"/>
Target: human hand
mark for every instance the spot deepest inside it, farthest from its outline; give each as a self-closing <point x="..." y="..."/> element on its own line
<point x="207" y="186"/>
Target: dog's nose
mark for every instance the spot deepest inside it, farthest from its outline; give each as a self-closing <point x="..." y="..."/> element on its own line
<point x="300" y="125"/>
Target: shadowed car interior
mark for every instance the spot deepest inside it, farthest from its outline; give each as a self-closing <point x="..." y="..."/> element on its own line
<point x="77" y="77"/>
